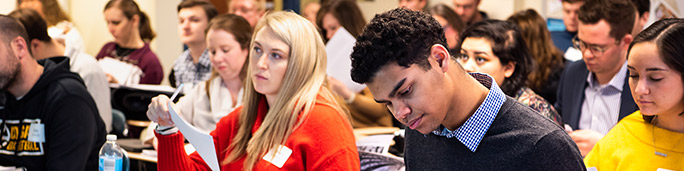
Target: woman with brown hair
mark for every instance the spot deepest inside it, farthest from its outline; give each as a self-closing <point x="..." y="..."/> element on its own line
<point x="227" y="38"/>
<point x="544" y="77"/>
<point x="651" y="138"/>
<point x="365" y="112"/>
<point x="132" y="33"/>
<point x="451" y="23"/>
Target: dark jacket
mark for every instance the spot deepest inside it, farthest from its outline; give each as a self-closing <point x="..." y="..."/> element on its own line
<point x="72" y="128"/>
<point x="518" y="139"/>
<point x="571" y="94"/>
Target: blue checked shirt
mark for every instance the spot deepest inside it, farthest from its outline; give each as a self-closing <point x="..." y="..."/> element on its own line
<point x="186" y="71"/>
<point x="474" y="129"/>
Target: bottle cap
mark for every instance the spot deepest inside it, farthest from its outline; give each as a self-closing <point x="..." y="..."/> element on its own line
<point x="111" y="137"/>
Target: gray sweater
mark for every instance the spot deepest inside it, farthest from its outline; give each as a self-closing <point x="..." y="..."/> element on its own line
<point x="518" y="139"/>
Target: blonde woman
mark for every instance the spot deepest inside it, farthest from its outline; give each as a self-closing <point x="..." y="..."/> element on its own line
<point x="286" y="106"/>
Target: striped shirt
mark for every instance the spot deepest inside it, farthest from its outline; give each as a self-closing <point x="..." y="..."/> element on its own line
<point x="601" y="105"/>
<point x="186" y="71"/>
<point x="474" y="129"/>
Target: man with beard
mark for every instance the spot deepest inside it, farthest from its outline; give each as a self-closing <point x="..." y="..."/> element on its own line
<point x="48" y="120"/>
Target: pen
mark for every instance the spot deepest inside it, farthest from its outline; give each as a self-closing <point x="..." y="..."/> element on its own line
<point x="180" y="87"/>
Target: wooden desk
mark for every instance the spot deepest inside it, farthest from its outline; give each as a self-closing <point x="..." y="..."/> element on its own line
<point x="141" y="157"/>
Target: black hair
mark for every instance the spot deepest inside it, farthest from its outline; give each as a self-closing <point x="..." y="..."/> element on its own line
<point x="642" y="6"/>
<point x="398" y="36"/>
<point x="668" y="36"/>
<point x="508" y="45"/>
<point x="619" y="14"/>
<point x="36" y="26"/>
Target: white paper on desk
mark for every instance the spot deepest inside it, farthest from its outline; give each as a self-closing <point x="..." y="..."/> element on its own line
<point x="124" y="73"/>
<point x="375" y="143"/>
<point x="203" y="142"/>
<point x="339" y="49"/>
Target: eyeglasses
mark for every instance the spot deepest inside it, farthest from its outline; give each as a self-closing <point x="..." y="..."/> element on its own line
<point x="596" y="50"/>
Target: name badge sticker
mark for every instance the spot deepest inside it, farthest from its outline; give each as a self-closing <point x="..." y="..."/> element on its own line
<point x="282" y="153"/>
<point x="37" y="133"/>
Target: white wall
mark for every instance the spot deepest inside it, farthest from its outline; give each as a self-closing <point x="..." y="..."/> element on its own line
<point x="6" y="6"/>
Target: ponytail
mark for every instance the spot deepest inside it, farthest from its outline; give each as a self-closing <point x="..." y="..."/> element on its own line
<point x="144" y="27"/>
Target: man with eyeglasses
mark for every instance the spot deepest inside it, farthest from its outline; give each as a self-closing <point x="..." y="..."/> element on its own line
<point x="593" y="93"/>
<point x="252" y="10"/>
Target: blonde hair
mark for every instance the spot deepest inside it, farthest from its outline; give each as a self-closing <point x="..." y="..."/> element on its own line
<point x="304" y="80"/>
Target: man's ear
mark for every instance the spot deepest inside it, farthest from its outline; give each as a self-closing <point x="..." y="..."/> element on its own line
<point x="440" y="55"/>
<point x="627" y="39"/>
<point x="20" y="48"/>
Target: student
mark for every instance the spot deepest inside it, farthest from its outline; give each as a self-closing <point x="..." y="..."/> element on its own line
<point x="285" y="105"/>
<point x="563" y="39"/>
<point x="193" y="65"/>
<point x="593" y="94"/>
<point x="401" y="57"/>
<point x="310" y="10"/>
<point x="59" y="23"/>
<point x="496" y="48"/>
<point x="543" y="79"/>
<point x="653" y="137"/>
<point x="365" y="112"/>
<point x="49" y="121"/>
<point x="451" y="23"/>
<point x="642" y="14"/>
<point x="43" y="46"/>
<point x="340" y="13"/>
<point x="132" y="34"/>
<point x="252" y="10"/>
<point x="228" y="42"/>
<point x="469" y="12"/>
<point x="416" y="5"/>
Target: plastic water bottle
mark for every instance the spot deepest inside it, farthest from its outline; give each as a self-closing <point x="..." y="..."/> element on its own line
<point x="113" y="157"/>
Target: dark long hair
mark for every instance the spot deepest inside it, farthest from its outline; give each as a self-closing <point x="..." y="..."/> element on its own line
<point x="668" y="36"/>
<point x="508" y="45"/>
<point x="347" y="12"/>
<point x="129" y="8"/>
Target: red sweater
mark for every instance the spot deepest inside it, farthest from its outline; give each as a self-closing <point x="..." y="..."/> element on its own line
<point x="324" y="141"/>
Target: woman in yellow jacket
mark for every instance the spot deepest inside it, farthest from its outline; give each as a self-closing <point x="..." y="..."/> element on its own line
<point x="652" y="138"/>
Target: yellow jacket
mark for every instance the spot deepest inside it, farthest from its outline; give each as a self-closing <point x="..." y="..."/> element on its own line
<point x="629" y="146"/>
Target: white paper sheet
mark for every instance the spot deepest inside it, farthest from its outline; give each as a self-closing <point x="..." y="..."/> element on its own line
<point x="203" y="142"/>
<point x="375" y="143"/>
<point x="124" y="73"/>
<point x="339" y="49"/>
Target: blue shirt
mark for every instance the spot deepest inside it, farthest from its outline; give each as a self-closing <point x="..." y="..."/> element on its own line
<point x="474" y="129"/>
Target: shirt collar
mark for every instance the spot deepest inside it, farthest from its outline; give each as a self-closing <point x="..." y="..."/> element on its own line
<point x="474" y="129"/>
<point x="617" y="82"/>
